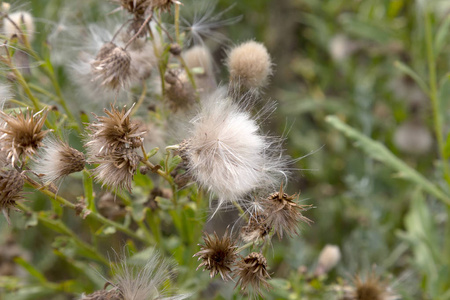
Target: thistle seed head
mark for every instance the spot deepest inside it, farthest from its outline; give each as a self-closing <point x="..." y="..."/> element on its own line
<point x="249" y="65"/>
<point x="11" y="185"/>
<point x="117" y="168"/>
<point x="283" y="214"/>
<point x="218" y="255"/>
<point x="328" y="259"/>
<point x="371" y="288"/>
<point x="252" y="271"/>
<point x="22" y="134"/>
<point x="112" y="66"/>
<point x="179" y="91"/>
<point x="256" y="229"/>
<point x="57" y="160"/>
<point x="114" y="131"/>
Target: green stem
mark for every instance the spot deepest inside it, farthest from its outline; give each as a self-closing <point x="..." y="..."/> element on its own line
<point x="90" y="214"/>
<point x="437" y="117"/>
<point x="66" y="231"/>
<point x="141" y="99"/>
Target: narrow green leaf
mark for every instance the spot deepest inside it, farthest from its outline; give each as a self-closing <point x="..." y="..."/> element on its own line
<point x="411" y="73"/>
<point x="30" y="269"/>
<point x="89" y="191"/>
<point x="442" y="36"/>
<point x="379" y="152"/>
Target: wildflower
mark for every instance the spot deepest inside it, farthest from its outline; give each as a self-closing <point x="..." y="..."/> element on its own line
<point x="226" y="153"/>
<point x="112" y="66"/>
<point x="249" y="65"/>
<point x="218" y="255"/>
<point x="11" y="185"/>
<point x="328" y="259"/>
<point x="283" y="214"/>
<point x="22" y="134"/>
<point x="256" y="229"/>
<point x="19" y="20"/>
<point x="57" y="160"/>
<point x="112" y="143"/>
<point x="252" y="271"/>
<point x="136" y="282"/>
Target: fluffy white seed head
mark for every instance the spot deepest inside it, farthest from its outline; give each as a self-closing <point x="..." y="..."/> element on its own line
<point x="57" y="160"/>
<point x="23" y="20"/>
<point x="413" y="137"/>
<point x="5" y="93"/>
<point x="226" y="153"/>
<point x="249" y="65"/>
<point x="328" y="259"/>
<point x="144" y="282"/>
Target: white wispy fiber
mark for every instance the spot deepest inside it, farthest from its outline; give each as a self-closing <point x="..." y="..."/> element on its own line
<point x="5" y="93"/>
<point x="144" y="282"/>
<point x="57" y="160"/>
<point x="227" y="153"/>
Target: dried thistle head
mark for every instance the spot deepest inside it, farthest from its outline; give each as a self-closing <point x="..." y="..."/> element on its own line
<point x="249" y="65"/>
<point x="370" y="288"/>
<point x="136" y="7"/>
<point x="57" y="160"/>
<point x="22" y="133"/>
<point x="112" y="66"/>
<point x="256" y="229"/>
<point x="164" y="5"/>
<point x="218" y="255"/>
<point x="11" y="185"/>
<point x="179" y="90"/>
<point x="252" y="271"/>
<point x="113" y="131"/>
<point x="117" y="168"/>
<point x="283" y="214"/>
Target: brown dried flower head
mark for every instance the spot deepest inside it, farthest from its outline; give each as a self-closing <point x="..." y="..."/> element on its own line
<point x="114" y="131"/>
<point x="111" y="144"/>
<point x="256" y="229"/>
<point x="22" y="134"/>
<point x="372" y="288"/>
<point x="252" y="271"/>
<point x="11" y="185"/>
<point x="179" y="91"/>
<point x="283" y="214"/>
<point x="116" y="169"/>
<point x="218" y="255"/>
<point x="140" y="7"/>
<point x="112" y="66"/>
<point x="110" y="207"/>
<point x="57" y="160"/>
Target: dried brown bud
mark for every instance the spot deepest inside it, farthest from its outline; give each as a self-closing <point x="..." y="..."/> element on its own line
<point x="22" y="134"/>
<point x="179" y="90"/>
<point x="175" y="49"/>
<point x="218" y="255"/>
<point x="252" y="271"/>
<point x="256" y="229"/>
<point x="112" y="66"/>
<point x="283" y="214"/>
<point x="110" y="207"/>
<point x="11" y="185"/>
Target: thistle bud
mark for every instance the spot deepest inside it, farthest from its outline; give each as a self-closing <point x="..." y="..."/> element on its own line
<point x="328" y="259"/>
<point x="112" y="66"/>
<point x="249" y="65"/>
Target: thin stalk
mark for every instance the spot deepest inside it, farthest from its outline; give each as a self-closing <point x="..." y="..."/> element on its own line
<point x="177" y="23"/>
<point x="91" y="215"/>
<point x="437" y="117"/>
<point x="63" y="229"/>
<point x="150" y="16"/>
<point x="140" y="100"/>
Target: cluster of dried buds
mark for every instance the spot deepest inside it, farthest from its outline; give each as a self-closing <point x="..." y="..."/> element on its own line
<point x="279" y="213"/>
<point x="23" y="139"/>
<point x="112" y="144"/>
